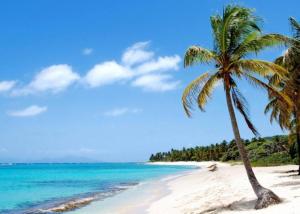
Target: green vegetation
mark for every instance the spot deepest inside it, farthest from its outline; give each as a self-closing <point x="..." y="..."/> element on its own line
<point x="267" y="151"/>
<point x="288" y="116"/>
<point x="237" y="36"/>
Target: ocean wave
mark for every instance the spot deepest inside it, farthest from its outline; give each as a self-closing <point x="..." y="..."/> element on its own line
<point x="67" y="206"/>
<point x="83" y="201"/>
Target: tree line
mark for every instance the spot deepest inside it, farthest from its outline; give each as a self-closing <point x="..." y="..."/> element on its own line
<point x="262" y="151"/>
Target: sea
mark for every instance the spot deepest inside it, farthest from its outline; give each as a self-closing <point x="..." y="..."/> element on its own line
<point x="46" y="187"/>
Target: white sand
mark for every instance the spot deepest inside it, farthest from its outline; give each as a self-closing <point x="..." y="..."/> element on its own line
<point x="226" y="190"/>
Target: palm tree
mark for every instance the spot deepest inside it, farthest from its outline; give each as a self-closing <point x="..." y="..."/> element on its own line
<point x="288" y="116"/>
<point x="236" y="35"/>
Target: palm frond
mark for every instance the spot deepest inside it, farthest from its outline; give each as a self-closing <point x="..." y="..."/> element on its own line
<point x="216" y="25"/>
<point x="207" y="90"/>
<point x="279" y="61"/>
<point x="229" y="14"/>
<point x="238" y="22"/>
<point x="275" y="80"/>
<point x="242" y="106"/>
<point x="191" y="92"/>
<point x="279" y="113"/>
<point x="196" y="54"/>
<point x="295" y="27"/>
<point x="271" y="105"/>
<point x="272" y="91"/>
<point x="256" y="42"/>
<point x="263" y="68"/>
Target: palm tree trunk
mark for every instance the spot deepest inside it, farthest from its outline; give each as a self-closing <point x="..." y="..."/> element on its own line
<point x="265" y="196"/>
<point x="298" y="138"/>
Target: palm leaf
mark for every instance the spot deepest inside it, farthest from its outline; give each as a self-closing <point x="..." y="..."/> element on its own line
<point x="191" y="92"/>
<point x="242" y="106"/>
<point x="271" y="105"/>
<point x="237" y="23"/>
<point x="256" y="42"/>
<point x="207" y="90"/>
<point x="296" y="27"/>
<point x="279" y="61"/>
<point x="263" y="68"/>
<point x="196" y="54"/>
<point x="272" y="91"/>
<point x="216" y="24"/>
<point x="279" y="112"/>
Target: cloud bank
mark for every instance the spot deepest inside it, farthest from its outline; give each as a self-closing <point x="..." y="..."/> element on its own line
<point x="137" y="62"/>
<point x="138" y="67"/>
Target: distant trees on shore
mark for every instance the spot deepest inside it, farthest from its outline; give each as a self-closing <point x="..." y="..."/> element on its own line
<point x="265" y="151"/>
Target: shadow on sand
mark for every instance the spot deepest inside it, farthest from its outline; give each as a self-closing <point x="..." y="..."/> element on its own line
<point x="287" y="183"/>
<point x="240" y="205"/>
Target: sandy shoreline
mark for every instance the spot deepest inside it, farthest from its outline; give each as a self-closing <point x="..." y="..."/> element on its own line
<point x="226" y="190"/>
<point x="136" y="199"/>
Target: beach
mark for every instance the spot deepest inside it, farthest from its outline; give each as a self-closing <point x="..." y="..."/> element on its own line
<point x="150" y="107"/>
<point x="225" y="190"/>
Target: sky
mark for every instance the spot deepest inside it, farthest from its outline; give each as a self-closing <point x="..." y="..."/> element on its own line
<point x="102" y="80"/>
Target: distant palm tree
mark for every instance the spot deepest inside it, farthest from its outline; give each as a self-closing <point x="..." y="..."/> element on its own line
<point x="288" y="116"/>
<point x="236" y="35"/>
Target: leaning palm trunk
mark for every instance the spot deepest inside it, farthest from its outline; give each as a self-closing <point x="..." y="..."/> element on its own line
<point x="265" y="196"/>
<point x="236" y="35"/>
<point x="298" y="145"/>
<point x="298" y="138"/>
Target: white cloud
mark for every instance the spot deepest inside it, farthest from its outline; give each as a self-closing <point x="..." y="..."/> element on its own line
<point x="121" y="111"/>
<point x="137" y="53"/>
<point x="6" y="85"/>
<point x="161" y="64"/>
<point x="136" y="63"/>
<point x="156" y="82"/>
<point x="138" y="67"/>
<point x="29" y="111"/>
<point x="107" y="73"/>
<point x="55" y="78"/>
<point x="87" y="51"/>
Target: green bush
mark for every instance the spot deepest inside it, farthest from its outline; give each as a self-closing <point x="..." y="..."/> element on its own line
<point x="280" y="158"/>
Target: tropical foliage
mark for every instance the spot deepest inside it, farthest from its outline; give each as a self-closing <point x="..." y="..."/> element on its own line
<point x="288" y="116"/>
<point x="265" y="151"/>
<point x="237" y="36"/>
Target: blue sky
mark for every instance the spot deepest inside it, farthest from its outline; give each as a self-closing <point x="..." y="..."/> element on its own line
<point x="102" y="80"/>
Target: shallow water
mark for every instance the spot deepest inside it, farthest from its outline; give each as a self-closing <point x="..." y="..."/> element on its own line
<point x="26" y="188"/>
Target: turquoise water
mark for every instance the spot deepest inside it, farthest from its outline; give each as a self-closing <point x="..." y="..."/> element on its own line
<point x="25" y="188"/>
